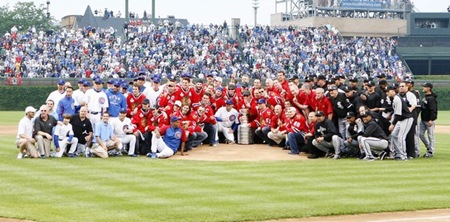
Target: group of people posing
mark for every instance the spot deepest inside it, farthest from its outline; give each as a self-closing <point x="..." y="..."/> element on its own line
<point x="325" y="117"/>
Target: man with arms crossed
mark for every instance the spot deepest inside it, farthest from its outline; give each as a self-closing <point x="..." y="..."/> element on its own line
<point x="43" y="128"/>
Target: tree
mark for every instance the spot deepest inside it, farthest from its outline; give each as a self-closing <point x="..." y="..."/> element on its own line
<point x="24" y="15"/>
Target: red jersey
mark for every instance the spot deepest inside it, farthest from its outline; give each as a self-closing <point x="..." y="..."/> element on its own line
<point x="278" y="121"/>
<point x="158" y="120"/>
<point x="297" y="124"/>
<point x="196" y="96"/>
<point x="167" y="100"/>
<point x="140" y="120"/>
<point x="322" y="104"/>
<point x="134" y="102"/>
<point x="263" y="119"/>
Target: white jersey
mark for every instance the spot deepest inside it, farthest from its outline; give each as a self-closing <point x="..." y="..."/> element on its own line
<point x="120" y="128"/>
<point x="26" y="126"/>
<point x="228" y="117"/>
<point x="63" y="131"/>
<point x="152" y="95"/>
<point x="78" y="96"/>
<point x="96" y="100"/>
<point x="56" y="96"/>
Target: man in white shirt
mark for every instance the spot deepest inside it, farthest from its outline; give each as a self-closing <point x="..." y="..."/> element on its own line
<point x="78" y="95"/>
<point x="57" y="94"/>
<point x="25" y="141"/>
<point x="152" y="92"/>
<point x="64" y="136"/>
<point x="227" y="120"/>
<point x="97" y="102"/>
<point x="123" y="130"/>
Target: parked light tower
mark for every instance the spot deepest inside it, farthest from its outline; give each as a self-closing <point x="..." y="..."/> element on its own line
<point x="255" y="7"/>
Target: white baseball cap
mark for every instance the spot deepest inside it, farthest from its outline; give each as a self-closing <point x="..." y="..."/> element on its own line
<point x="178" y="103"/>
<point x="30" y="109"/>
<point x="218" y="79"/>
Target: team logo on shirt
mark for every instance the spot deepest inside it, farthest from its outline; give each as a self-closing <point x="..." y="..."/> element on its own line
<point x="101" y="100"/>
<point x="232" y="118"/>
<point x="178" y="135"/>
<point x="125" y="127"/>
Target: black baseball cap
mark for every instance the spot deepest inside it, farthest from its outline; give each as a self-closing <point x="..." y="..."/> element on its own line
<point x="350" y="114"/>
<point x="428" y="84"/>
<point x="320" y="113"/>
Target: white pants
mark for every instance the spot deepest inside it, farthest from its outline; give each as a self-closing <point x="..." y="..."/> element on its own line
<point x="131" y="140"/>
<point x="95" y="119"/>
<point x="63" y="144"/>
<point x="226" y="131"/>
<point x="276" y="137"/>
<point x="159" y="145"/>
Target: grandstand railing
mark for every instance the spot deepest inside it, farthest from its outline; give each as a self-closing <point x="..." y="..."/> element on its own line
<point x="424" y="41"/>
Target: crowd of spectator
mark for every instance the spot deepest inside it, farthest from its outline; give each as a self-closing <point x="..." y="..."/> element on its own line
<point x="170" y="49"/>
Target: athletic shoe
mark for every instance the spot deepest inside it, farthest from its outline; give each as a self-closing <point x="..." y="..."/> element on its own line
<point x="401" y="159"/>
<point x="291" y="153"/>
<point x="368" y="158"/>
<point x="336" y="157"/>
<point x="87" y="152"/>
<point x="42" y="156"/>
<point x="151" y="155"/>
<point x="427" y="155"/>
<point x="313" y="156"/>
<point x="71" y="155"/>
<point x="20" y="156"/>
<point x="230" y="142"/>
<point x="382" y="155"/>
<point x="214" y="144"/>
<point x="132" y="155"/>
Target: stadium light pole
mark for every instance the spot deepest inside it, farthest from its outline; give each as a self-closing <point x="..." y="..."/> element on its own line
<point x="127" y="13"/>
<point x="153" y="11"/>
<point x="48" y="9"/>
<point x="255" y="7"/>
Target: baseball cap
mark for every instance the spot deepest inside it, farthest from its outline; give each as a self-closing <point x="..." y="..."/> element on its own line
<point x="382" y="75"/>
<point x="145" y="101"/>
<point x="332" y="87"/>
<point x="86" y="83"/>
<point x="354" y="79"/>
<point x="178" y="103"/>
<point x="229" y="102"/>
<point x="219" y="88"/>
<point x="382" y="82"/>
<point x="246" y="93"/>
<point x="140" y="78"/>
<point x="210" y="74"/>
<point x="142" y="73"/>
<point x="117" y="83"/>
<point x="294" y="77"/>
<point x="371" y="83"/>
<point x="427" y="84"/>
<point x="388" y="88"/>
<point x="365" y="114"/>
<point x="331" y="81"/>
<point x="98" y="81"/>
<point x="261" y="101"/>
<point x="156" y="79"/>
<point x="320" y="113"/>
<point x="124" y="86"/>
<point x="347" y="89"/>
<point x="218" y="79"/>
<point x="61" y="82"/>
<point x="110" y="81"/>
<point x="30" y="109"/>
<point x="350" y="114"/>
<point x="231" y="87"/>
<point x="244" y="84"/>
<point x="308" y="79"/>
<point x="123" y="110"/>
<point x="174" y="118"/>
<point x="80" y="81"/>
<point x="322" y="77"/>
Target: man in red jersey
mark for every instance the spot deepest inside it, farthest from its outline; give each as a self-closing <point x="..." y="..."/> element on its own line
<point x="296" y="130"/>
<point x="262" y="121"/>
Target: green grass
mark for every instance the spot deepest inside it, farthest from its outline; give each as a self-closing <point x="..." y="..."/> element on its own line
<point x="141" y="189"/>
<point x="11" y="117"/>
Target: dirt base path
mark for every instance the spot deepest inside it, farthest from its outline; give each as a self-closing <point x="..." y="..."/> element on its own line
<point x="438" y="215"/>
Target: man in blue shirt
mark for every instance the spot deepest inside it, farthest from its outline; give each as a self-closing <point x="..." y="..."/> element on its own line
<point x="167" y="139"/>
<point x="66" y="105"/>
<point x="104" y="138"/>
<point x="116" y="99"/>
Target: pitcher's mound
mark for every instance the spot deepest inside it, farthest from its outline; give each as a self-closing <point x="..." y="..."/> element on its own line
<point x="237" y="152"/>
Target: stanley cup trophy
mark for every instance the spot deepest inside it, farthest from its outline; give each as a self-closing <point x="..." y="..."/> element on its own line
<point x="245" y="133"/>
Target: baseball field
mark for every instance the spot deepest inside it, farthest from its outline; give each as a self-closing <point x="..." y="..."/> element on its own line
<point x="226" y="183"/>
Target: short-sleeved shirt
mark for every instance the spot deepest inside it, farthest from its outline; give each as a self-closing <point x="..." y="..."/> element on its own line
<point x="81" y="128"/>
<point x="25" y="127"/>
<point x="45" y="126"/>
<point x="104" y="131"/>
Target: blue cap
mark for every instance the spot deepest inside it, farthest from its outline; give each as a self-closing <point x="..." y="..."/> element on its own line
<point x="156" y="79"/>
<point x="124" y="86"/>
<point x="98" y="81"/>
<point x="61" y="82"/>
<point x="140" y="78"/>
<point x="81" y="81"/>
<point x="229" y="102"/>
<point x="117" y="83"/>
<point x="142" y="73"/>
<point x="86" y="83"/>
<point x="219" y="88"/>
<point x="110" y="81"/>
<point x="174" y="118"/>
<point x="261" y="101"/>
<point x="123" y="110"/>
